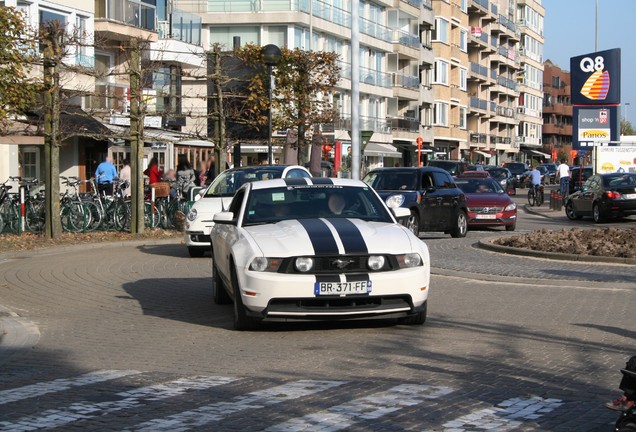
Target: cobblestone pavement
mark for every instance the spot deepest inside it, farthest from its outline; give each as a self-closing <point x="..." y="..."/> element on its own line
<point x="131" y="340"/>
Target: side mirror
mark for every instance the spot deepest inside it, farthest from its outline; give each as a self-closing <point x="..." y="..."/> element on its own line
<point x="226" y="218"/>
<point x="401" y="212"/>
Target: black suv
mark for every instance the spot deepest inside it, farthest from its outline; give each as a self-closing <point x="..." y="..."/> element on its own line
<point x="436" y="203"/>
<point x="519" y="171"/>
<point x="455" y="168"/>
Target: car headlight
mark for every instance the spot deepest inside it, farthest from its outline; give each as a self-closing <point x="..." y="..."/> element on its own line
<point x="192" y="215"/>
<point x="395" y="201"/>
<point x="375" y="262"/>
<point x="409" y="260"/>
<point x="262" y="264"/>
<point x="503" y="182"/>
<point x="510" y="206"/>
<point x="304" y="264"/>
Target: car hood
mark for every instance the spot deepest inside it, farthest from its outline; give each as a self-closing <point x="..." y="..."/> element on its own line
<point x="329" y="237"/>
<point x="207" y="207"/>
<point x="487" y="200"/>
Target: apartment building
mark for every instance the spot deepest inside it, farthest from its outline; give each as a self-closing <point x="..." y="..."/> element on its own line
<point x="97" y="101"/>
<point x="530" y="15"/>
<point x="557" y="111"/>
<point x="395" y="92"/>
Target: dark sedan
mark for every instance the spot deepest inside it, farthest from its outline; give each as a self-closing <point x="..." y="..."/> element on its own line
<point x="504" y="178"/>
<point x="488" y="204"/>
<point x="435" y="202"/>
<point x="603" y="196"/>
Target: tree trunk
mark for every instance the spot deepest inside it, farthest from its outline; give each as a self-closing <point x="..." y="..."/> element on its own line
<point x="136" y="143"/>
<point x="53" y="224"/>
<point x="220" y="137"/>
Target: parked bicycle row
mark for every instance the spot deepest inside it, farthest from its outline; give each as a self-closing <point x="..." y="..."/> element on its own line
<point x="86" y="211"/>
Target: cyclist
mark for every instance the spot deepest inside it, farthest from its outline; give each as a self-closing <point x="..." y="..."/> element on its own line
<point x="535" y="179"/>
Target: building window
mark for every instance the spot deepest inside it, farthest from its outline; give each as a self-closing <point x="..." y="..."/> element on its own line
<point x="463" y="5"/>
<point x="440" y="34"/>
<point x="29" y="161"/>
<point x="463" y="78"/>
<point x="440" y="114"/>
<point x="463" y="40"/>
<point x="441" y="72"/>
<point x="462" y="117"/>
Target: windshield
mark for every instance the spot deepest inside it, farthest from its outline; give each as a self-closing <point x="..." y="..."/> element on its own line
<point x="392" y="180"/>
<point x="471" y="186"/>
<point x="228" y="182"/>
<point x="516" y="166"/>
<point x="619" y="180"/>
<point x="499" y="173"/>
<point x="273" y="205"/>
<point x="451" y="167"/>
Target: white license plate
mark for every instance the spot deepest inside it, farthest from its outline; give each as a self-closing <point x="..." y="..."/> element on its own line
<point x="342" y="288"/>
<point x="486" y="216"/>
<point x="630" y="196"/>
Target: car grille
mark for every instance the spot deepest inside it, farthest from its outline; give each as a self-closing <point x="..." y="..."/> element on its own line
<point x="486" y="210"/>
<point x="339" y="264"/>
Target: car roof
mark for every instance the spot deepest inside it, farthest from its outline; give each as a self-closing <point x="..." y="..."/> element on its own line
<point x="474" y="174"/>
<point x="305" y="181"/>
<point x="421" y="169"/>
<point x="253" y="168"/>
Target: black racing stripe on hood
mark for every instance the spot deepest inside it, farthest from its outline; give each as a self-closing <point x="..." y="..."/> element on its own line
<point x="322" y="181"/>
<point x="295" y="181"/>
<point x="350" y="236"/>
<point x="321" y="237"/>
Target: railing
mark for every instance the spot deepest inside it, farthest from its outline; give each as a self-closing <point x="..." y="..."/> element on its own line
<point x="493" y="41"/>
<point x="493" y="9"/>
<point x="131" y="12"/>
<point x="405" y="38"/>
<point x="375" y="30"/>
<point x="408" y="124"/>
<point x="493" y="74"/>
<point x="510" y="25"/>
<point x="508" y="83"/>
<point x="407" y="81"/>
<point x="367" y="76"/>
<point x="375" y="124"/>
<point x="506" y="112"/>
<point x="85" y="60"/>
<point x="427" y="4"/>
<point x="415" y="3"/>
<point x="482" y="3"/>
<point x="480" y="138"/>
<point x="479" y="103"/>
<point x="479" y="69"/>
<point x="326" y="11"/>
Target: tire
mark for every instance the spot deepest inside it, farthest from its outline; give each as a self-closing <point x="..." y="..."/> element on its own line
<point x="1" y="223"/>
<point x="538" y="199"/>
<point x="570" y="212"/>
<point x="597" y="215"/>
<point x="461" y="225"/>
<point x="74" y="218"/>
<point x="155" y="220"/>
<point x="219" y="293"/>
<point x="195" y="252"/>
<point x="531" y="197"/>
<point x="11" y="217"/>
<point x="413" y="223"/>
<point x="628" y="427"/>
<point x="415" y="319"/>
<point x="511" y="227"/>
<point x="95" y="219"/>
<point x="121" y="216"/>
<point x="35" y="217"/>
<point x="241" y="320"/>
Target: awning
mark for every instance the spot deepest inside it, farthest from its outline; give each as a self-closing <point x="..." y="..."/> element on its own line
<point x="254" y="148"/>
<point x="381" y="150"/>
<point x="484" y="154"/>
<point x="195" y="143"/>
<point x="545" y="155"/>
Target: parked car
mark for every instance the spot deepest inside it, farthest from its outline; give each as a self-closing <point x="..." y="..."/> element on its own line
<point x="505" y="179"/>
<point x="519" y="171"/>
<point x="434" y="201"/>
<point x="453" y="167"/>
<point x="320" y="249"/>
<point x="551" y="175"/>
<point x="578" y="176"/>
<point x="218" y="195"/>
<point x="488" y="204"/>
<point x="603" y="196"/>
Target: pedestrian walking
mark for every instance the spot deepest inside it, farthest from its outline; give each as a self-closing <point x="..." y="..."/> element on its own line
<point x="185" y="175"/>
<point x="202" y="174"/>
<point x="153" y="173"/>
<point x="105" y="174"/>
<point x="563" y="174"/>
<point x="124" y="175"/>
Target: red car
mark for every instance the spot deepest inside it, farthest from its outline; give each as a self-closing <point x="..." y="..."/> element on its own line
<point x="488" y="204"/>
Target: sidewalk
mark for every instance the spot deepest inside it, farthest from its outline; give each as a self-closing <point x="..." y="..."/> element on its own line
<point x="544" y="211"/>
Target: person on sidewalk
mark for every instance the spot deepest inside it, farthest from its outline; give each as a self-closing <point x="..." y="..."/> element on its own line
<point x="124" y="175"/>
<point x="628" y="385"/>
<point x="153" y="173"/>
<point x="185" y="175"/>
<point x="105" y="174"/>
<point x="563" y="174"/>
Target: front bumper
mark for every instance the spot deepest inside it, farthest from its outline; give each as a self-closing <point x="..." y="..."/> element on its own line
<point x="274" y="296"/>
<point x="507" y="218"/>
<point x="197" y="234"/>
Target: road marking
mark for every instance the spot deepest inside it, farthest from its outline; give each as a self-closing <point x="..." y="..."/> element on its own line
<point x="131" y="399"/>
<point x="256" y="400"/>
<point x="370" y="407"/>
<point x="58" y="385"/>
<point x="506" y="416"/>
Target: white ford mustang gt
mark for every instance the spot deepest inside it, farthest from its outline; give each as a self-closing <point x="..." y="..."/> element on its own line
<point x="317" y="248"/>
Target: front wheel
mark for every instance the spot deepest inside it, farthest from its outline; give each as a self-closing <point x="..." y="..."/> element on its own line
<point x="241" y="320"/>
<point x="597" y="215"/>
<point x="413" y="223"/>
<point x="570" y="212"/>
<point x="538" y="200"/>
<point x="461" y="225"/>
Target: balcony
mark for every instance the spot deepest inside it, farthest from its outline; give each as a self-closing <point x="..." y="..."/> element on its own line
<point x="558" y="109"/>
<point x="479" y="7"/>
<point x="406" y="81"/>
<point x="83" y="60"/>
<point x="375" y="30"/>
<point x="478" y="138"/>
<point x="125" y="19"/>
<point x="406" y="124"/>
<point x="379" y="125"/>
<point x="528" y="141"/>
<point x="479" y="105"/>
<point x="367" y="76"/>
<point x="405" y="38"/>
<point x="557" y="129"/>
<point x="478" y="72"/>
<point x="427" y="4"/>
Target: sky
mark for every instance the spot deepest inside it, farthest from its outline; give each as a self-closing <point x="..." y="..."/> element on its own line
<point x="569" y="32"/>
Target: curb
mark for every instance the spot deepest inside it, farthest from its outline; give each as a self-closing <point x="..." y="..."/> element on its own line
<point x="85" y="246"/>
<point x="548" y="215"/>
<point x="488" y="244"/>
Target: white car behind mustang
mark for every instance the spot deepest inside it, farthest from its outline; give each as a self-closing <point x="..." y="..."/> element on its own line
<point x="319" y="248"/>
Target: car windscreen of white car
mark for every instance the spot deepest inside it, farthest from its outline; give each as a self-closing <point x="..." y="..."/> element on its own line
<point x="271" y="205"/>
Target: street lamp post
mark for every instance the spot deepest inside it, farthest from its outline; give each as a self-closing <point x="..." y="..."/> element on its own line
<point x="271" y="57"/>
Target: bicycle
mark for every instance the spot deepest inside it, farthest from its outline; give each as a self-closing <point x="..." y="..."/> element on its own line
<point x="73" y="211"/>
<point x="9" y="217"/>
<point x="11" y="207"/>
<point x="535" y="195"/>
